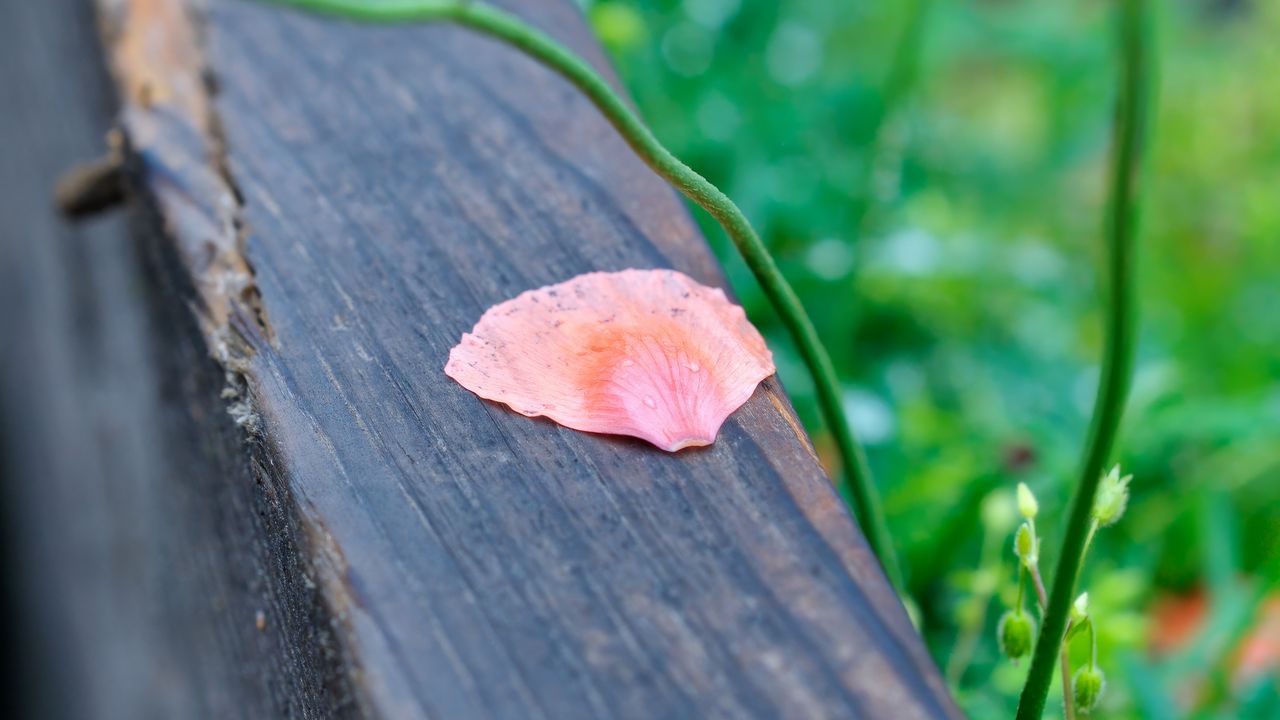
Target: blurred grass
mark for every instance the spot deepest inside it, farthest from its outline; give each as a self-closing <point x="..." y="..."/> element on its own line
<point x="945" y="239"/>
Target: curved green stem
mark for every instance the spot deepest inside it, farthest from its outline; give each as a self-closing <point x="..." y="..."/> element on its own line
<point x="1022" y="574"/>
<point x="555" y="56"/>
<point x="1117" y="361"/>
<point x="1064" y="657"/>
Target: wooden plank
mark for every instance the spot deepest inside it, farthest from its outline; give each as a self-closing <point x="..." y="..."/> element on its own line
<point x="137" y="549"/>
<point x="346" y="204"/>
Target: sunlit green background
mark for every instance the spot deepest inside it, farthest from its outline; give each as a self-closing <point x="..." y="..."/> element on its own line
<point x="930" y="175"/>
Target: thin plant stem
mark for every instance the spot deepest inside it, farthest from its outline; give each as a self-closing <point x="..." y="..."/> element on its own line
<point x="1088" y="538"/>
<point x="1041" y="595"/>
<point x="1064" y="657"/>
<point x="553" y="55"/>
<point x="1117" y="362"/>
<point x="1064" y="665"/>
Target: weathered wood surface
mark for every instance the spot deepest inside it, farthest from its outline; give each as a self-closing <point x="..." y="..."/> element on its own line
<point x="138" y="547"/>
<point x="337" y="213"/>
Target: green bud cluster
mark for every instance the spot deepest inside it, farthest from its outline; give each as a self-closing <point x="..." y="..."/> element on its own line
<point x="1087" y="688"/>
<point x="1026" y="546"/>
<point x="1016" y="633"/>
<point x="1027" y="505"/>
<point x="1112" y="498"/>
<point x="1080" y="609"/>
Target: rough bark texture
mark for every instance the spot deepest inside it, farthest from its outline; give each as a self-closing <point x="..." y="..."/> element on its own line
<point x="327" y="208"/>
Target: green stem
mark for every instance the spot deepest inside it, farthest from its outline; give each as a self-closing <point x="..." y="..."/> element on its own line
<point x="556" y="57"/>
<point x="1088" y="538"/>
<point x="1022" y="573"/>
<point x="1117" y="361"/>
<point x="1064" y="667"/>
<point x="1064" y="657"/>
<point x="1038" y="583"/>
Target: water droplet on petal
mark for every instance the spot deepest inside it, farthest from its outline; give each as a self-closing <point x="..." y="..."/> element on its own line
<point x="693" y="366"/>
<point x="628" y="362"/>
<point x="648" y="400"/>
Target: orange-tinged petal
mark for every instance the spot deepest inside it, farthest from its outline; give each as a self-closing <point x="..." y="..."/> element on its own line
<point x="647" y="353"/>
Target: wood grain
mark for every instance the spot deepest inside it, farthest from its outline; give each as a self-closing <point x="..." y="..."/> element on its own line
<point x="139" y="542"/>
<point x="348" y="201"/>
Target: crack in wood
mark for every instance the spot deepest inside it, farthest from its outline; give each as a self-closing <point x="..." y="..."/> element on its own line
<point x="172" y="128"/>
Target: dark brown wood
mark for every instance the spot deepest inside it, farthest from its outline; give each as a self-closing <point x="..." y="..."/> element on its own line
<point x="138" y="545"/>
<point x="339" y="203"/>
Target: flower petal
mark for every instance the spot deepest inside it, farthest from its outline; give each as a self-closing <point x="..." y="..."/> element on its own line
<point x="647" y="353"/>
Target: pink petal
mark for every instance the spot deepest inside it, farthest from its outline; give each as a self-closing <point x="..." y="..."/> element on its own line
<point x="647" y="353"/>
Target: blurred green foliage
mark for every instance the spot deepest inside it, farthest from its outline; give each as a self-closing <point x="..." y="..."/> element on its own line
<point x="930" y="176"/>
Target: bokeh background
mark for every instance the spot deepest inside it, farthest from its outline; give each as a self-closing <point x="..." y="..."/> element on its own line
<point x="930" y="174"/>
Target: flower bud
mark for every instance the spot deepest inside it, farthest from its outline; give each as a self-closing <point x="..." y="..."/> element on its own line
<point x="1025" y="545"/>
<point x="1087" y="688"/>
<point x="1080" y="608"/>
<point x="1015" y="632"/>
<point x="1079" y="617"/>
<point x="1112" y="497"/>
<point x="1027" y="504"/>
